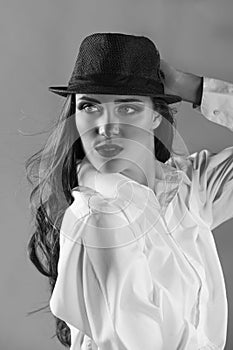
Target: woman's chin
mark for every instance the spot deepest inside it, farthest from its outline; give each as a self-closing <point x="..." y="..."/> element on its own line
<point x="116" y="165"/>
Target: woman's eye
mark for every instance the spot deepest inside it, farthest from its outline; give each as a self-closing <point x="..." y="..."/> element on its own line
<point x="127" y="110"/>
<point x="88" y="107"/>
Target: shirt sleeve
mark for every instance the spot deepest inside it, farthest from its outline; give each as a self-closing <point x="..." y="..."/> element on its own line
<point x="104" y="286"/>
<point x="213" y="172"/>
<point x="217" y="102"/>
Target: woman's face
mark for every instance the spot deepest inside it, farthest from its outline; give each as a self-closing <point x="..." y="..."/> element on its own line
<point x="122" y="124"/>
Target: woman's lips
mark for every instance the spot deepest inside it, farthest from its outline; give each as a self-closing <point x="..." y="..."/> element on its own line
<point x="109" y="150"/>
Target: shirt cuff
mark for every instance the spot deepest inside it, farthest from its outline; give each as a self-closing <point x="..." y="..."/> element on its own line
<point x="217" y="102"/>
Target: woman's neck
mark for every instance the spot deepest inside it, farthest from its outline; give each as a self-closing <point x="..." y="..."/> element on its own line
<point x="144" y="176"/>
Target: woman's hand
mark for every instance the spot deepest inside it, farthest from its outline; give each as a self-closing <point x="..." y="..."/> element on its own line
<point x="171" y="78"/>
<point x="186" y="85"/>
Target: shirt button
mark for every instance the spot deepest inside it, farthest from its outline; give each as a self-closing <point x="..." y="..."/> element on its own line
<point x="89" y="345"/>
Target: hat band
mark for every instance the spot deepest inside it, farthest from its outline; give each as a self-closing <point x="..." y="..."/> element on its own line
<point x="113" y="80"/>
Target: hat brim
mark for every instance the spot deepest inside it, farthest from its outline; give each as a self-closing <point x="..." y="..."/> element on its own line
<point x="64" y="92"/>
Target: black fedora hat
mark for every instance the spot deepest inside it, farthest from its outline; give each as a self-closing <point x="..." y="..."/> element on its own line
<point x="117" y="63"/>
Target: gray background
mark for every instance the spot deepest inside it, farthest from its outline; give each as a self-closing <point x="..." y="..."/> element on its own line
<point x="39" y="42"/>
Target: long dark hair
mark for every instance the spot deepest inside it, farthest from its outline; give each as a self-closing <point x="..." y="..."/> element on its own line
<point x="52" y="173"/>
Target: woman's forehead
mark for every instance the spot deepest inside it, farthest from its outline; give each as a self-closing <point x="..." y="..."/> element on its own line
<point x="110" y="97"/>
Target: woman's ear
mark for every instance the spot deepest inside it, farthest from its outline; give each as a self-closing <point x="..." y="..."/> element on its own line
<point x="157" y="119"/>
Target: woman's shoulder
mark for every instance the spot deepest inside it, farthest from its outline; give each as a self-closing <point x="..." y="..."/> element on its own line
<point x="192" y="163"/>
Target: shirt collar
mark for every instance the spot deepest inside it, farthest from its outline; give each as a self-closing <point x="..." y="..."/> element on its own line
<point x="167" y="182"/>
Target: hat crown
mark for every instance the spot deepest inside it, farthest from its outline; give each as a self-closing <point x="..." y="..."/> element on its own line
<point x="117" y="63"/>
<point x="117" y="54"/>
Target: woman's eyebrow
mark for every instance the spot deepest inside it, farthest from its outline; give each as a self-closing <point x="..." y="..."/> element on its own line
<point x="87" y="98"/>
<point x="128" y="100"/>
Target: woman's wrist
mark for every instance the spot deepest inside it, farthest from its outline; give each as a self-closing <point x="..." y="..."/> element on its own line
<point x="186" y="85"/>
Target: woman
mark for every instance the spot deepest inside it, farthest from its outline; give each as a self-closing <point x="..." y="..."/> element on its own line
<point x="123" y="224"/>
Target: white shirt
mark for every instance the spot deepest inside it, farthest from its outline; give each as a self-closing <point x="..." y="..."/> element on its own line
<point x="138" y="269"/>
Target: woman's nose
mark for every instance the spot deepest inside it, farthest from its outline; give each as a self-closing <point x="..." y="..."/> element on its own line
<point x="109" y="123"/>
<point x="108" y="130"/>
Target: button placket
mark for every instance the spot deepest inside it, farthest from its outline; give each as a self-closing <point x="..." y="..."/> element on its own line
<point x="196" y="308"/>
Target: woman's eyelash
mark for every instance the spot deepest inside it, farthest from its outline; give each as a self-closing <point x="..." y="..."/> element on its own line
<point x="85" y="104"/>
<point x="82" y="105"/>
